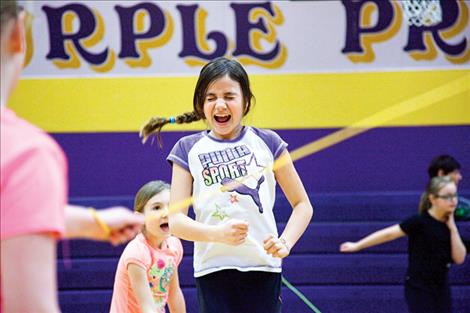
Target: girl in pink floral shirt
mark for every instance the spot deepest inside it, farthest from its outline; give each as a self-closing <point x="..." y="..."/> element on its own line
<point x="147" y="274"/>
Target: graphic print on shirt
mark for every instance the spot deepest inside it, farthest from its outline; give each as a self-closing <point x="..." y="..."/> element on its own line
<point x="160" y="275"/>
<point x="219" y="213"/>
<point x="230" y="168"/>
<point x="233" y="185"/>
<point x="233" y="198"/>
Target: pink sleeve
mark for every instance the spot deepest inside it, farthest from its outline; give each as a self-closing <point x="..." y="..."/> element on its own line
<point x="34" y="192"/>
<point x="136" y="253"/>
<point x="177" y="247"/>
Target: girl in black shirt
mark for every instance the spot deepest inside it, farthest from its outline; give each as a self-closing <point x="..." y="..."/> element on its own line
<point x="433" y="244"/>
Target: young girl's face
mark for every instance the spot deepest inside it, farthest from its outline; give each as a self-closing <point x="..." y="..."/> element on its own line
<point x="156" y="214"/>
<point x="223" y="107"/>
<point x="446" y="199"/>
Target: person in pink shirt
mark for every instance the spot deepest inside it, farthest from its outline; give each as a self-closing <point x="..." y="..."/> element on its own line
<point x="33" y="208"/>
<point x="147" y="274"/>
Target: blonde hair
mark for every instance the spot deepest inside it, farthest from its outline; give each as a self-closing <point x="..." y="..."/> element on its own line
<point x="433" y="187"/>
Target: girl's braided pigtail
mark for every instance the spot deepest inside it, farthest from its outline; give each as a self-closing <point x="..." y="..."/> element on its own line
<point x="154" y="125"/>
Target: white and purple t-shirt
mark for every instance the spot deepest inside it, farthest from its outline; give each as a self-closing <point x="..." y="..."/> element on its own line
<point x="243" y="166"/>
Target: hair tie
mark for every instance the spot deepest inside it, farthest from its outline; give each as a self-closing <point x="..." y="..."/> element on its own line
<point x="172" y="120"/>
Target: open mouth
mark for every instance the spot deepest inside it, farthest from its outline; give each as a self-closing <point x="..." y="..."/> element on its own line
<point x="222" y="118"/>
<point x="165" y="227"/>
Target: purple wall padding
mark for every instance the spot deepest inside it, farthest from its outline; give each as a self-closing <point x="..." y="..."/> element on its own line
<point x="379" y="160"/>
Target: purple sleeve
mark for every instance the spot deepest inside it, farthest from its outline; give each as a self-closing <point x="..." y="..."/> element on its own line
<point x="179" y="153"/>
<point x="272" y="140"/>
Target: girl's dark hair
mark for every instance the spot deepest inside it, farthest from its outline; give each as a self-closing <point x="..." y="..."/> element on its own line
<point x="433" y="187"/>
<point x="446" y="163"/>
<point x="212" y="71"/>
<point x="146" y="192"/>
<point x="8" y="9"/>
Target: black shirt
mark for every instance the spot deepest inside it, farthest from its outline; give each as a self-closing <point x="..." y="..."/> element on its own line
<point x="429" y="249"/>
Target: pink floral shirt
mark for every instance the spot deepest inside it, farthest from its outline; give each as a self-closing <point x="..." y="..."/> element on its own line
<point x="160" y="265"/>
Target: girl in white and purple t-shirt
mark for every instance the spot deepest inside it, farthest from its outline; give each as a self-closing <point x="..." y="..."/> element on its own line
<point x="230" y="173"/>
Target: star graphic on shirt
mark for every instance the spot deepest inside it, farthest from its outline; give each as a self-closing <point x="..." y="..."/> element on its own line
<point x="255" y="161"/>
<point x="219" y="213"/>
<point x="254" y="169"/>
<point x="233" y="198"/>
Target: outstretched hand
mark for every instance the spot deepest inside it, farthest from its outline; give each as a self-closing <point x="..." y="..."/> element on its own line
<point x="348" y="247"/>
<point x="276" y="246"/>
<point x="123" y="223"/>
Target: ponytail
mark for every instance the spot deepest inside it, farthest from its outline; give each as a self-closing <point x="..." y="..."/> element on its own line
<point x="154" y="125"/>
<point x="424" y="203"/>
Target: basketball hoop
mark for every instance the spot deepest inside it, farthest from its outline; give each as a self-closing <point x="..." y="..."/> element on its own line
<point x="422" y="12"/>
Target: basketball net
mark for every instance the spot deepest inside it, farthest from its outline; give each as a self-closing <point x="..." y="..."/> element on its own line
<point x="422" y="12"/>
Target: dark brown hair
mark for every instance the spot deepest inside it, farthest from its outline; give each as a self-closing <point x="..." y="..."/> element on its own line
<point x="212" y="71"/>
<point x="446" y="163"/>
